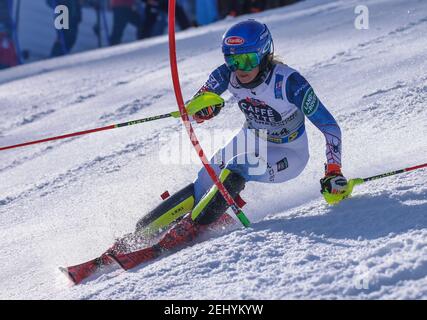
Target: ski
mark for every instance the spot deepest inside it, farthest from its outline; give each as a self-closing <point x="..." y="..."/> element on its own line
<point x="127" y="254"/>
<point x="127" y="243"/>
<point x="130" y="260"/>
<point x="172" y="239"/>
<point x="82" y="271"/>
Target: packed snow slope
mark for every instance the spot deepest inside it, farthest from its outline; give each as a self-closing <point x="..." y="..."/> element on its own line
<point x="64" y="202"/>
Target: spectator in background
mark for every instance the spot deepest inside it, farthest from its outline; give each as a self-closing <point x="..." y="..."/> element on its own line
<point x="124" y="12"/>
<point x="235" y="8"/>
<point x="66" y="38"/>
<point x="254" y="6"/>
<point x="8" y="54"/>
<point x="97" y="6"/>
<point x="189" y="6"/>
<point x="278" y="3"/>
<point x="206" y="11"/>
<point x="152" y="10"/>
<point x="223" y="8"/>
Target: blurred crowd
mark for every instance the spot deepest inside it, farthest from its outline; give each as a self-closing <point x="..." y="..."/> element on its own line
<point x="238" y="7"/>
<point x="8" y="53"/>
<point x="149" y="17"/>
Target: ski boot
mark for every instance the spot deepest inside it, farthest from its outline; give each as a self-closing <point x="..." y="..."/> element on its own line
<point x="170" y="210"/>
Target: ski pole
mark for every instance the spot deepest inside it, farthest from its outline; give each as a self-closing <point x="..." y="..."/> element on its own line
<point x="392" y="173"/>
<point x="174" y="114"/>
<point x="336" y="198"/>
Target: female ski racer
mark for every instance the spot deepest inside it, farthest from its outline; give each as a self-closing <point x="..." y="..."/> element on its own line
<point x="275" y="99"/>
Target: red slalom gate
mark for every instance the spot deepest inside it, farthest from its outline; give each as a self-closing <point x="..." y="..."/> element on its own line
<point x="184" y="116"/>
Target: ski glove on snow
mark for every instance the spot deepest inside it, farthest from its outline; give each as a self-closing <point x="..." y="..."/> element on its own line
<point x="334" y="182"/>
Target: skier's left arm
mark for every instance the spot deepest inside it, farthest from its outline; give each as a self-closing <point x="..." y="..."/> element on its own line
<point x="300" y="93"/>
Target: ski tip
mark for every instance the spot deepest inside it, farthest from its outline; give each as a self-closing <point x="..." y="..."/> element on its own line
<point x="68" y="274"/>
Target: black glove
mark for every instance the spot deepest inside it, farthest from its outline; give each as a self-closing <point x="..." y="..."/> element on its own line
<point x="334" y="182"/>
<point x="206" y="113"/>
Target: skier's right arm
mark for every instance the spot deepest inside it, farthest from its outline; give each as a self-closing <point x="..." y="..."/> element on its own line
<point x="217" y="83"/>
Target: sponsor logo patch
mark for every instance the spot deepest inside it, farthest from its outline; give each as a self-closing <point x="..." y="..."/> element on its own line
<point x="293" y="136"/>
<point x="177" y="210"/>
<point x="336" y="148"/>
<point x="234" y="41"/>
<point x="212" y="82"/>
<point x="282" y="164"/>
<point x="278" y="86"/>
<point x="305" y="85"/>
<point x="259" y="111"/>
<point x="310" y="103"/>
<point x="271" y="174"/>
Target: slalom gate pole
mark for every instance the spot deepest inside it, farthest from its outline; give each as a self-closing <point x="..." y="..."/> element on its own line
<point x="174" y="114"/>
<point x="184" y="116"/>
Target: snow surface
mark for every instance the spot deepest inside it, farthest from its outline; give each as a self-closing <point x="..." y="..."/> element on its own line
<point x="64" y="202"/>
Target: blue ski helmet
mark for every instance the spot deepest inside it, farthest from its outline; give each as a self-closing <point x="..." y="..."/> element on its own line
<point x="248" y="36"/>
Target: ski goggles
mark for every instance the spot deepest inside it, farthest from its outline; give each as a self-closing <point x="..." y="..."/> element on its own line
<point x="245" y="61"/>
